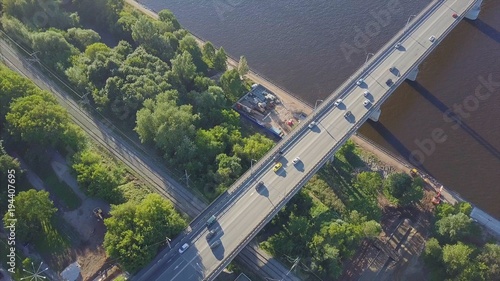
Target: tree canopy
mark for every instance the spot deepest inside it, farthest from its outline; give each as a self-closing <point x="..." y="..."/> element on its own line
<point x="136" y="231"/>
<point x="402" y="189"/>
<point x="30" y="220"/>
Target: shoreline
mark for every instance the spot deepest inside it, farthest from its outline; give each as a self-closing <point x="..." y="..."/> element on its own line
<point x="294" y="103"/>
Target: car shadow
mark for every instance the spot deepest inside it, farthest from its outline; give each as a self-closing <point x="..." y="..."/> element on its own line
<point x="350" y="118"/>
<point x="394" y="70"/>
<point x="369" y="97"/>
<point x="262" y="190"/>
<point x="316" y="129"/>
<point x="341" y="106"/>
<point x="219" y="251"/>
<point x="300" y="166"/>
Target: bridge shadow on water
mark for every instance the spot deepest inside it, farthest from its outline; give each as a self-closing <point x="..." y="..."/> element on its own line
<point x="457" y="119"/>
<point x="486" y="29"/>
<point x="390" y="138"/>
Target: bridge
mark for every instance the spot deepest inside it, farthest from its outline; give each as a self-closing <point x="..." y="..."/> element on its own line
<point x="247" y="206"/>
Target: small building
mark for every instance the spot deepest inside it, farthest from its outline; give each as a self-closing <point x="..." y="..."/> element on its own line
<point x="72" y="273"/>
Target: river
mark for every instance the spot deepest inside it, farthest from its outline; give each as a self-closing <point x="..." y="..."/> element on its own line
<point x="310" y="47"/>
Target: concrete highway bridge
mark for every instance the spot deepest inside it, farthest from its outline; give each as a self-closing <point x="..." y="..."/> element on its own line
<point x="248" y="206"/>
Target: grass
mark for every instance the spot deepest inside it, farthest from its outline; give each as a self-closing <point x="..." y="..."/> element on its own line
<point x="58" y="188"/>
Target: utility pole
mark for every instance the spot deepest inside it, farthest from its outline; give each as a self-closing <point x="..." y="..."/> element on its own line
<point x="186" y="175"/>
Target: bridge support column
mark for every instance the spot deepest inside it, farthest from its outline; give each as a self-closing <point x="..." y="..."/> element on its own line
<point x="474" y="12"/>
<point x="413" y="74"/>
<point x="375" y="114"/>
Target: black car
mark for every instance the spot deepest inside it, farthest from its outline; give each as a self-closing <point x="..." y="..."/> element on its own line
<point x="211" y="234"/>
<point x="389" y="82"/>
<point x="259" y="185"/>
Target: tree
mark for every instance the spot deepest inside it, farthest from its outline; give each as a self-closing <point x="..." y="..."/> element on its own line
<point x="136" y="231"/>
<point x="155" y="36"/>
<point x="243" y="66"/>
<point x="12" y="86"/>
<point x="433" y="253"/>
<point x="229" y="168"/>
<point x="253" y="147"/>
<point x="167" y="16"/>
<point x="100" y="12"/>
<point x="232" y="85"/>
<point x="208" y="52"/>
<point x="16" y="29"/>
<point x="38" y="120"/>
<point x="456" y="257"/>
<point x="220" y="60"/>
<point x="490" y="256"/>
<point x="189" y="44"/>
<point x="183" y="69"/>
<point x="82" y="38"/>
<point x="402" y="189"/>
<point x="165" y="123"/>
<point x="454" y="227"/>
<point x="30" y="220"/>
<point x="370" y="182"/>
<point x="96" y="178"/>
<point x="53" y="49"/>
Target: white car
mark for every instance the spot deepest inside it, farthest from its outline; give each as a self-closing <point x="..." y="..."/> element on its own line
<point x="337" y="102"/>
<point x="432" y="38"/>
<point x="397" y="46"/>
<point x="366" y="102"/>
<point x="295" y="160"/>
<point x="360" y="81"/>
<point x="311" y="125"/>
<point x="183" y="248"/>
<point x="366" y="93"/>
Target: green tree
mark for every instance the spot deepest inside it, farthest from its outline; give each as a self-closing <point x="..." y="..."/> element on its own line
<point x="232" y="85"/>
<point x="208" y="52"/>
<point x="82" y="38"/>
<point x="16" y="29"/>
<point x="253" y="147"/>
<point x="136" y="231"/>
<point x="37" y="120"/>
<point x="165" y="123"/>
<point x="433" y="253"/>
<point x="189" y="44"/>
<point x="30" y="220"/>
<point x="183" y="70"/>
<point x="370" y="182"/>
<point x="155" y="36"/>
<point x="100" y="12"/>
<point x="220" y="60"/>
<point x="456" y="258"/>
<point x="454" y="227"/>
<point x="97" y="178"/>
<point x="229" y="168"/>
<point x="402" y="189"/>
<point x="53" y="49"/>
<point x="490" y="256"/>
<point x="12" y="86"/>
<point x="243" y="66"/>
<point x="167" y="16"/>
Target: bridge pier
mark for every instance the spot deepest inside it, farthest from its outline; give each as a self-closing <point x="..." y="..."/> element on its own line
<point x="474" y="12"/>
<point x="412" y="76"/>
<point x="375" y="114"/>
